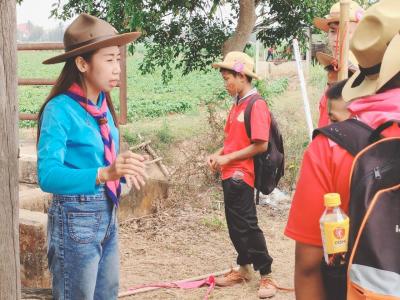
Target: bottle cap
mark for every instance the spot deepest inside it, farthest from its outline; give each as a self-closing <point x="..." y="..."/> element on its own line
<point x="332" y="199"/>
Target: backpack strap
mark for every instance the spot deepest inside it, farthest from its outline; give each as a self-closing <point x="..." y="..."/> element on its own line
<point x="351" y="134"/>
<point x="247" y="113"/>
<point x="247" y="125"/>
<point x="376" y="135"/>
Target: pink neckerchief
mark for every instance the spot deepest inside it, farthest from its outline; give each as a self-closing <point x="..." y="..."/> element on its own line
<point x="112" y="187"/>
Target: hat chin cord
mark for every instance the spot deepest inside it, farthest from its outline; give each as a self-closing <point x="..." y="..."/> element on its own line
<point x="364" y="72"/>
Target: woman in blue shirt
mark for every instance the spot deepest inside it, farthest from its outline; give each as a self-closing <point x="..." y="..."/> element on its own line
<point x="78" y="161"/>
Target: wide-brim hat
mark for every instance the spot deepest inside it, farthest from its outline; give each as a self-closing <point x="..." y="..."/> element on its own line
<point x="376" y="44"/>
<point x="88" y="33"/>
<point x="356" y="13"/>
<point x="328" y="60"/>
<point x="239" y="62"/>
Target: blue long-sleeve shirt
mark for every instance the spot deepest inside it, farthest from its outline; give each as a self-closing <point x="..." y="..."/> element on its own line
<point x="70" y="148"/>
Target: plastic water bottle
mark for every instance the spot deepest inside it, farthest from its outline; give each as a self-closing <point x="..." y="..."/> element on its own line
<point x="334" y="231"/>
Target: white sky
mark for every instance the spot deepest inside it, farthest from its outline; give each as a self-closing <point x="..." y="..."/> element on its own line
<point x="38" y="12"/>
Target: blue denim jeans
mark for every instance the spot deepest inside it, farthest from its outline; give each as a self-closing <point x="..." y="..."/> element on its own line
<point x="83" y="252"/>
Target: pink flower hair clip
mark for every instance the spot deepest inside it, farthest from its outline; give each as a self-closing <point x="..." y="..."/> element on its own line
<point x="238" y="67"/>
<point x="359" y="15"/>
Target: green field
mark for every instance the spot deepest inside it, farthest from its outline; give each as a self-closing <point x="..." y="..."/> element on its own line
<point x="188" y="108"/>
<point x="148" y="97"/>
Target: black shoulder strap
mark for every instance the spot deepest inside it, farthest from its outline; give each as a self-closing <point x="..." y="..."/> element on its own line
<point x="376" y="135"/>
<point x="247" y="113"/>
<point x="351" y="134"/>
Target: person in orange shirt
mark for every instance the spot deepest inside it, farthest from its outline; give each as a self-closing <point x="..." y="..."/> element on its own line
<point x="330" y="25"/>
<point x="374" y="92"/>
<point x="235" y="161"/>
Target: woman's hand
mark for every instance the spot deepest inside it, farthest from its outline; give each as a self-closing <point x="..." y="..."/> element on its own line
<point x="128" y="164"/>
<point x="137" y="181"/>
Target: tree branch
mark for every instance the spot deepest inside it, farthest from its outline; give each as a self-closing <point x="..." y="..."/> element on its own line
<point x="244" y="28"/>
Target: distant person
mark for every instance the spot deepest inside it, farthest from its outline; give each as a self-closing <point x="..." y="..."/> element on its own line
<point x="270" y="55"/>
<point x="235" y="162"/>
<point x="78" y="162"/>
<point x="289" y="53"/>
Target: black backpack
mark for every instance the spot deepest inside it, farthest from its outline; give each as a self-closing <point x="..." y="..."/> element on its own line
<point x="269" y="166"/>
<point x="373" y="257"/>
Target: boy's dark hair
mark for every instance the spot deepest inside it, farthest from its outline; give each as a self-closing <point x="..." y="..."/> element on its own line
<point x="234" y="73"/>
<point x="335" y="91"/>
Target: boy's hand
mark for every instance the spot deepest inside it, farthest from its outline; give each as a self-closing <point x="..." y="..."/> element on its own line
<point x="210" y="162"/>
<point x="220" y="160"/>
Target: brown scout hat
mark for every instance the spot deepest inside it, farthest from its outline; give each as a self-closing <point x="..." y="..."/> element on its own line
<point x="375" y="44"/>
<point x="356" y="13"/>
<point x="326" y="60"/>
<point x="87" y="33"/>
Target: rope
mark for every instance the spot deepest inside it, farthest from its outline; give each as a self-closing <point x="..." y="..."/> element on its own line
<point x="210" y="282"/>
<point x="335" y="63"/>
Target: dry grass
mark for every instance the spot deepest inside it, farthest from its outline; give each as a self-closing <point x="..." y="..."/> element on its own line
<point x="289" y="112"/>
<point x="190" y="237"/>
<point x="179" y="244"/>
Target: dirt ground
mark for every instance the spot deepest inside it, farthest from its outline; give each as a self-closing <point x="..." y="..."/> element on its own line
<point x="192" y="240"/>
<point x="188" y="237"/>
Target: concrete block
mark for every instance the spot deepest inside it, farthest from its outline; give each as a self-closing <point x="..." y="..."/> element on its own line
<point x="144" y="202"/>
<point x="33" y="249"/>
<point x="34" y="199"/>
<point x="27" y="169"/>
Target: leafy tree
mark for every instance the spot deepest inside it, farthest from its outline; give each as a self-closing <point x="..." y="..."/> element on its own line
<point x="190" y="35"/>
<point x="285" y="19"/>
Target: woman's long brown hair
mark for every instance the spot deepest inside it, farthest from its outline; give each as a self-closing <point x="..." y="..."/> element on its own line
<point x="70" y="74"/>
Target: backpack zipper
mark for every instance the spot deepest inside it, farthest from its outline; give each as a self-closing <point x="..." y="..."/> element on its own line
<point x="377" y="173"/>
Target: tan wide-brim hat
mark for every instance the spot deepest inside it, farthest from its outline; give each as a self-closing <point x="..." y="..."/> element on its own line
<point x="376" y="44"/>
<point x="356" y="13"/>
<point x="87" y="33"/>
<point x="327" y="60"/>
<point x="239" y="62"/>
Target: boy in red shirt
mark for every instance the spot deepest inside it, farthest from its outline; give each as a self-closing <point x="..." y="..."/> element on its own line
<point x="235" y="161"/>
<point x="374" y="92"/>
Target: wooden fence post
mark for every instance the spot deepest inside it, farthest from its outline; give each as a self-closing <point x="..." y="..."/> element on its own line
<point x="9" y="237"/>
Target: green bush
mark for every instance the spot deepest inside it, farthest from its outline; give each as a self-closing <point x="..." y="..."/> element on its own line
<point x="164" y="134"/>
<point x="271" y="89"/>
<point x="130" y="137"/>
<point x="155" y="109"/>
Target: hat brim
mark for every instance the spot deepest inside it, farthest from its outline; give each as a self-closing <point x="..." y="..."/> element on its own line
<point x="327" y="60"/>
<point x="229" y="67"/>
<point x="118" y="40"/>
<point x="324" y="59"/>
<point x="367" y="87"/>
<point x="390" y="62"/>
<point x="323" y="23"/>
<point x="390" y="67"/>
